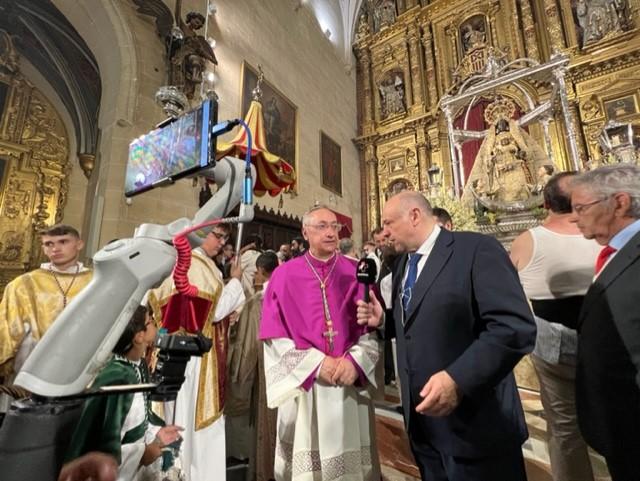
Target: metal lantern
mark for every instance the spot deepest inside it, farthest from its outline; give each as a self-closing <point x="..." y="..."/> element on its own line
<point x="620" y="141"/>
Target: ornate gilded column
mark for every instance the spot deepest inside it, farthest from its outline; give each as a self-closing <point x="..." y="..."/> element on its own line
<point x="435" y="151"/>
<point x="416" y="69"/>
<point x="453" y="152"/>
<point x="554" y="26"/>
<point x="547" y="138"/>
<point x="580" y="141"/>
<point x="529" y="30"/>
<point x="364" y="59"/>
<point x="429" y="67"/>
<point x="452" y="32"/>
<point x="423" y="159"/>
<point x="559" y="75"/>
<point x="493" y="11"/>
<point x="364" y="206"/>
<point x="372" y="175"/>
<point x="402" y="55"/>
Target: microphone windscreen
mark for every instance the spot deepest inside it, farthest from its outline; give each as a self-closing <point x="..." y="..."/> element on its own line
<point x="366" y="271"/>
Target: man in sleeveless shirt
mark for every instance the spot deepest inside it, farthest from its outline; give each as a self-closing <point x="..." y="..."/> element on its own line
<point x="554" y="262"/>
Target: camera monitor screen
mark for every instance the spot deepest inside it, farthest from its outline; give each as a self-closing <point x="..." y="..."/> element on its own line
<point x="175" y="150"/>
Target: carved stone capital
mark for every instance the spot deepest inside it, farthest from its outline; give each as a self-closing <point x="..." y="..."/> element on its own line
<point x="87" y="163"/>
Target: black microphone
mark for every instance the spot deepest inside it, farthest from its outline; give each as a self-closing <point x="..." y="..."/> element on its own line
<point x="366" y="274"/>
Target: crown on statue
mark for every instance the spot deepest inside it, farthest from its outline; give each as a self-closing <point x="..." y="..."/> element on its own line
<point x="500" y="109"/>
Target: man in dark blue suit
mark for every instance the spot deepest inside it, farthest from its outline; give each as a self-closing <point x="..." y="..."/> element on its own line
<point x="462" y="323"/>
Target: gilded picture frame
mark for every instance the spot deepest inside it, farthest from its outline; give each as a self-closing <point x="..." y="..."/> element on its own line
<point x="279" y="113"/>
<point x="621" y="107"/>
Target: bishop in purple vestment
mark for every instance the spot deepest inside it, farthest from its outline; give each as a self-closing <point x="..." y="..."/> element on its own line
<point x="319" y="363"/>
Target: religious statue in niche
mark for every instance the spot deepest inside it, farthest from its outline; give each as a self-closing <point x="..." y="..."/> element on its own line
<point x="397" y="187"/>
<point x="598" y="19"/>
<point x="473" y="33"/>
<point x="392" y="95"/>
<point x="384" y="14"/>
<point x="363" y="28"/>
<point x="509" y="170"/>
<point x="188" y="51"/>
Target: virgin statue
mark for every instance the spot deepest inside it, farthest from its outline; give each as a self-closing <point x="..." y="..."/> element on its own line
<point x="506" y="169"/>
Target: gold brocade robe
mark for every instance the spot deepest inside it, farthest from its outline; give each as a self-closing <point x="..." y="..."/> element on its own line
<point x="205" y="275"/>
<point x="35" y="299"/>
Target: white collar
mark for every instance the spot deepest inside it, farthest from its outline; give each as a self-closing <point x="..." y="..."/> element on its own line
<point x="48" y="266"/>
<point x="318" y="259"/>
<point x="427" y="245"/>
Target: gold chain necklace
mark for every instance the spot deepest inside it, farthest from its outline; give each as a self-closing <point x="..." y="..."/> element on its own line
<point x="64" y="292"/>
<point x="329" y="334"/>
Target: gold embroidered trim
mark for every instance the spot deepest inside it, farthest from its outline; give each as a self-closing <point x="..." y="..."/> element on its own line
<point x="208" y="402"/>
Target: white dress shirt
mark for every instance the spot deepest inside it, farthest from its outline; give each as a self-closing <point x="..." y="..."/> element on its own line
<point x="424" y="250"/>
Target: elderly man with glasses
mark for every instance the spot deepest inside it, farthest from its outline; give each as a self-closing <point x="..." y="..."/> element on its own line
<point x="606" y="207"/>
<point x="319" y="363"/>
<point x="201" y="399"/>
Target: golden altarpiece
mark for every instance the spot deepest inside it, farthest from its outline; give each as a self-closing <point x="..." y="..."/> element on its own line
<point x="410" y="54"/>
<point x="34" y="166"/>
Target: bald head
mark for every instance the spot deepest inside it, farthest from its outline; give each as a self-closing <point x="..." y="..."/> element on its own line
<point x="408" y="200"/>
<point x="408" y="220"/>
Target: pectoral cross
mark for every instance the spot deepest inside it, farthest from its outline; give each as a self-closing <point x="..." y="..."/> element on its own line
<point x="329" y="334"/>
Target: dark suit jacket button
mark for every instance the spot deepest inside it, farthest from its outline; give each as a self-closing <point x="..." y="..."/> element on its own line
<point x="408" y="338"/>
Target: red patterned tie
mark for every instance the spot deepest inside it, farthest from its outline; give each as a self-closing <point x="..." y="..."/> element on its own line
<point x="605" y="253"/>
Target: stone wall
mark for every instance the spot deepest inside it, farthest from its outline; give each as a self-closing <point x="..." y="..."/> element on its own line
<point x="296" y="59"/>
<point x="301" y="63"/>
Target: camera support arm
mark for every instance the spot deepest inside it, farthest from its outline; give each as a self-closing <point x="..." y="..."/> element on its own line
<point x="78" y="344"/>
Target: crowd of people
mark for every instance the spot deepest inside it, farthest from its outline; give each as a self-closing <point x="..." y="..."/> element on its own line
<point x="298" y="354"/>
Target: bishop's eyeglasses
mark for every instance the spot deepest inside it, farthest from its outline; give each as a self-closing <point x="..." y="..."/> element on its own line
<point x="324" y="226"/>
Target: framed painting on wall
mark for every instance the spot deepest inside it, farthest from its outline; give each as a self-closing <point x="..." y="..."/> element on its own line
<point x="621" y="107"/>
<point x="279" y="113"/>
<point x="330" y="164"/>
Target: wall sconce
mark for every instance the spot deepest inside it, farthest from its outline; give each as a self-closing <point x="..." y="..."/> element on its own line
<point x="435" y="180"/>
<point x="620" y="141"/>
<point x="435" y="176"/>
